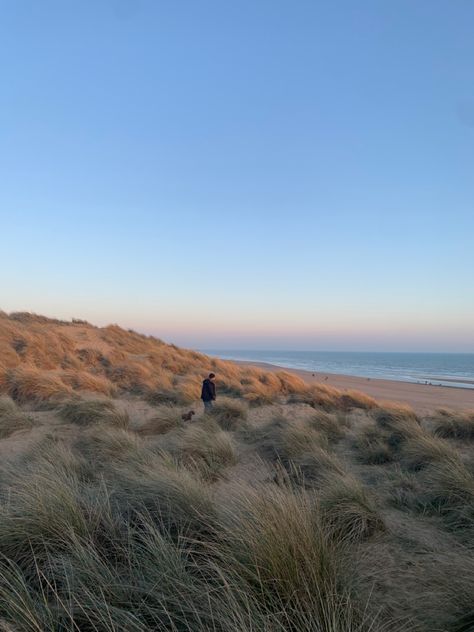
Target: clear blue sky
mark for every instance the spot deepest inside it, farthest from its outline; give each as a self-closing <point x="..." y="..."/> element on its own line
<point x="266" y="174"/>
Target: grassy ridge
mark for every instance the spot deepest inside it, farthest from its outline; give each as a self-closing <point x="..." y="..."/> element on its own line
<point x="44" y="360"/>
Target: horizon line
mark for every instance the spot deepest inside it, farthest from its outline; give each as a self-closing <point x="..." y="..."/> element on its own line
<point x="202" y="350"/>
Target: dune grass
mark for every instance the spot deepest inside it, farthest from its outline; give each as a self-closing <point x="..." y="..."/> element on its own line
<point x="229" y="413"/>
<point x="372" y="446"/>
<point x="284" y="438"/>
<point x="449" y="490"/>
<point x="205" y="446"/>
<point x="88" y="412"/>
<point x="46" y="359"/>
<point x="166" y="418"/>
<point x="290" y="508"/>
<point x="333" y="426"/>
<point x="12" y="419"/>
<point x="348" y="510"/>
<point x="398" y="424"/>
<point x="421" y="451"/>
<point x="275" y="538"/>
<point x="451" y="425"/>
<point x="117" y="529"/>
<point x="27" y="384"/>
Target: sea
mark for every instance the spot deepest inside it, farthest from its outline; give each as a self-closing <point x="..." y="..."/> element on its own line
<point x="454" y="370"/>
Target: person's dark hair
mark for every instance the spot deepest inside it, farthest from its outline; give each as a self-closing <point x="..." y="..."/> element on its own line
<point x="211" y="375"/>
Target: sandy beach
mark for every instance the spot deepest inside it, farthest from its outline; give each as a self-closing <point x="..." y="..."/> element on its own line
<point x="422" y="397"/>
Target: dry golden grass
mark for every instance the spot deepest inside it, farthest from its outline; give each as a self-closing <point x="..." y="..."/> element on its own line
<point x="88" y="382"/>
<point x="28" y="384"/>
<point x="45" y="359"/>
<point x="355" y="399"/>
<point x="321" y="396"/>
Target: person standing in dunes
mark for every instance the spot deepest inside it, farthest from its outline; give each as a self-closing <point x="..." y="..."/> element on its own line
<point x="208" y="393"/>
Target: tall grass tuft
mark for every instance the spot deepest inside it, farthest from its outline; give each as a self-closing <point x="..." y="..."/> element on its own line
<point x="371" y="445"/>
<point x="419" y="452"/>
<point x="165" y="418"/>
<point x="347" y="509"/>
<point x="31" y="385"/>
<point x="12" y="418"/>
<point x="87" y="412"/>
<point x="276" y="540"/>
<point x="229" y="413"/>
<point x="333" y="426"/>
<point x="398" y="423"/>
<point x="451" y="425"/>
<point x="449" y="490"/>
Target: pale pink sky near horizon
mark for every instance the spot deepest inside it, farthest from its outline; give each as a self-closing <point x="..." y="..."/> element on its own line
<point x="291" y="331"/>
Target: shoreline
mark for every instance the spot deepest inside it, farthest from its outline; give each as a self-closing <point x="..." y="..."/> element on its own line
<point x="422" y="397"/>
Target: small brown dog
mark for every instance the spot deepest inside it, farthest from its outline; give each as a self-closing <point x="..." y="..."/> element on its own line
<point x="188" y="416"/>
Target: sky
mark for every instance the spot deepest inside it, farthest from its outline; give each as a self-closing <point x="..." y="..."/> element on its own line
<point x="264" y="174"/>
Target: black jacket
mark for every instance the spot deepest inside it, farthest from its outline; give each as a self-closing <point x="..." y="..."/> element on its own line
<point x="208" y="392"/>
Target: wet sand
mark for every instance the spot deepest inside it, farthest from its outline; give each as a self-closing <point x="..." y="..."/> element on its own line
<point x="422" y="397"/>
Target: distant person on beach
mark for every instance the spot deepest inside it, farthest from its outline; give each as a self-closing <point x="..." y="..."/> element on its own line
<point x="208" y="393"/>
